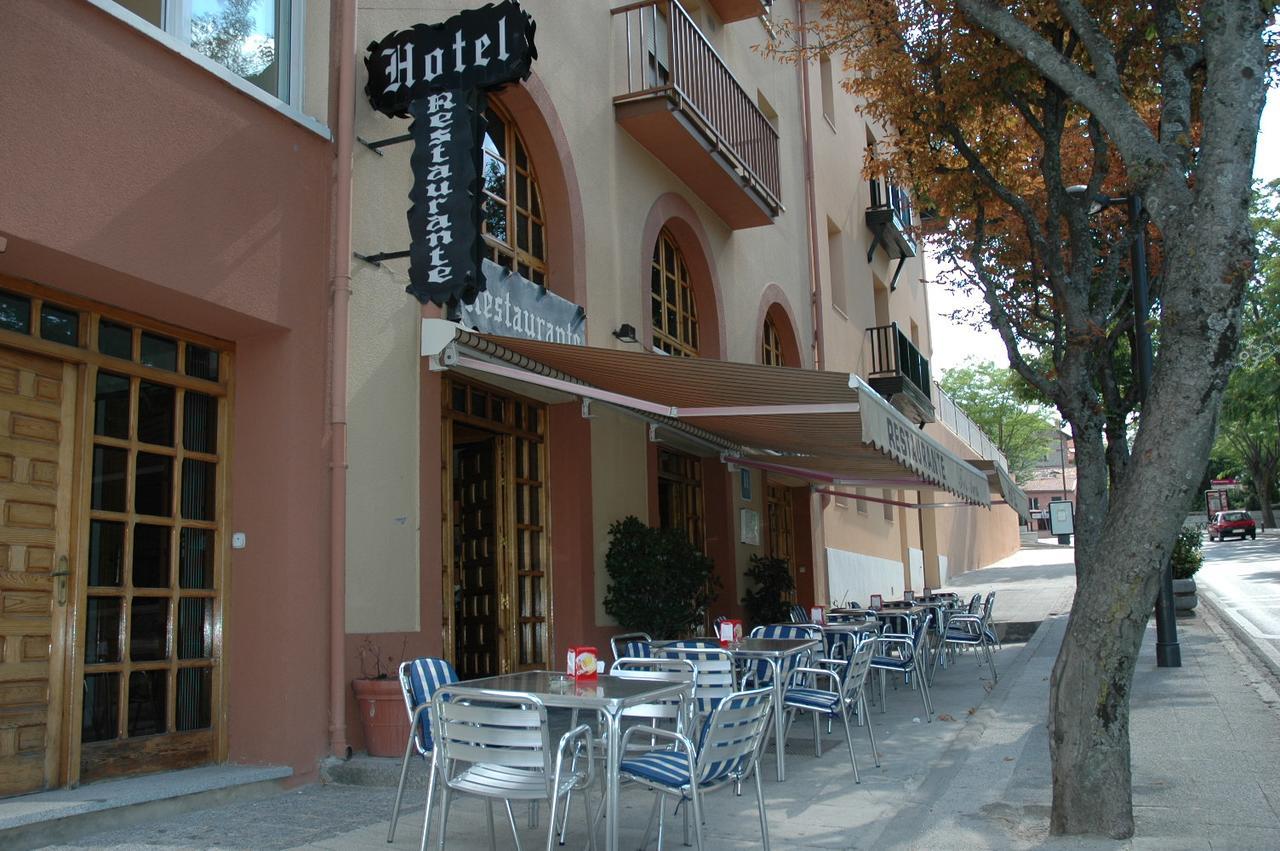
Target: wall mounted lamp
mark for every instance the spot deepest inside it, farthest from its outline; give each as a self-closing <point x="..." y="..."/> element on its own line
<point x="626" y="333"/>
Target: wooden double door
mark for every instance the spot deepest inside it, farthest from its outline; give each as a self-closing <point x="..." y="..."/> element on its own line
<point x="497" y="571"/>
<point x="113" y="481"/>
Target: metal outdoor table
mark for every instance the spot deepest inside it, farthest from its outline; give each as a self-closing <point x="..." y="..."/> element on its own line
<point x="605" y="694"/>
<point x="773" y="651"/>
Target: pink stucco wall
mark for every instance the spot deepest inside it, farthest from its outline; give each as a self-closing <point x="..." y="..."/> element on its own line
<point x="135" y="177"/>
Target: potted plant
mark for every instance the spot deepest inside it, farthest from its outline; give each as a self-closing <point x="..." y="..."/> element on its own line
<point x="659" y="582"/>
<point x="383" y="718"/>
<point x="1186" y="559"/>
<point x="770" y="600"/>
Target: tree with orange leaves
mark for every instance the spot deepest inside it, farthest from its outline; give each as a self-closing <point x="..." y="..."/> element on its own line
<point x="1015" y="121"/>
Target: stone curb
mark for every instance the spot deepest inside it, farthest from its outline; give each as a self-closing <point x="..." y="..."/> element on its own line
<point x="1263" y="651"/>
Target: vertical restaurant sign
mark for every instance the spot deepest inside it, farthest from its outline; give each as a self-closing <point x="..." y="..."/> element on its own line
<point x="437" y="74"/>
<point x="444" y="238"/>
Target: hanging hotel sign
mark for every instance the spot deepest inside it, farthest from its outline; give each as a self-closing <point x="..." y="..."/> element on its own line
<point x="513" y="306"/>
<point x="436" y="74"/>
<point x="444" y="231"/>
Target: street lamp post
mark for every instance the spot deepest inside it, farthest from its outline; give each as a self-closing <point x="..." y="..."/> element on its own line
<point x="1168" y="651"/>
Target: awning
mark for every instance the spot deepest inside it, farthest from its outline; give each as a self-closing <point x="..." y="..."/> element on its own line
<point x="824" y="426"/>
<point x="1002" y="484"/>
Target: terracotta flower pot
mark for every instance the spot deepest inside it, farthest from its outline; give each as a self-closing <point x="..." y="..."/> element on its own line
<point x="382" y="716"/>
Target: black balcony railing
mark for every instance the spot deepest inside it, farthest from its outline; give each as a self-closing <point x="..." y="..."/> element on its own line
<point x="893" y="355"/>
<point x="668" y="56"/>
<point x="885" y="194"/>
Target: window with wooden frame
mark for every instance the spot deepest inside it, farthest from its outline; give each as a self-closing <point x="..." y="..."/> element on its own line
<point x="680" y="494"/>
<point x="771" y="345"/>
<point x="674" y="312"/>
<point x="513" y="225"/>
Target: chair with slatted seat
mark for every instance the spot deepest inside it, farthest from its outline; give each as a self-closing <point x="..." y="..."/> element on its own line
<point x="715" y="677"/>
<point x="725" y="752"/>
<point x="761" y="672"/>
<point x="905" y="654"/>
<point x="497" y="746"/>
<point x="419" y="681"/>
<point x="844" y="693"/>
<point x="965" y="630"/>
<point x="672" y="714"/>
<point x="631" y="645"/>
<point x="799" y="614"/>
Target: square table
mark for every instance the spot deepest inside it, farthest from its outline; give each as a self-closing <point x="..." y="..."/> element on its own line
<point x="605" y="694"/>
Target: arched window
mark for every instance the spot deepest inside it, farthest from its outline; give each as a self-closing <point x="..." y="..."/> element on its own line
<point x="514" y="233"/>
<point x="771" y="345"/>
<point x="675" y="317"/>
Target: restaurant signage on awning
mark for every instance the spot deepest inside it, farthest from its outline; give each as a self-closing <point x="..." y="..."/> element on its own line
<point x="438" y="73"/>
<point x="513" y="306"/>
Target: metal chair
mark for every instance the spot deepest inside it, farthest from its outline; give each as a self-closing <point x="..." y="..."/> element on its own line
<point x="909" y="660"/>
<point x="965" y="630"/>
<point x="498" y="747"/>
<point x="726" y="752"/>
<point x="761" y="673"/>
<point x="676" y="713"/>
<point x="715" y="677"/>
<point x="799" y="614"/>
<point x="631" y="645"/>
<point x="847" y="679"/>
<point x="419" y="680"/>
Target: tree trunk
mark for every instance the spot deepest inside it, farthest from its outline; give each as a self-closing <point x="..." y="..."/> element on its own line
<point x="1263" y="486"/>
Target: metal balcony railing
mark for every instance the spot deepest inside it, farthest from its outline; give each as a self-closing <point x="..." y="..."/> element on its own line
<point x="886" y="194"/>
<point x="893" y="354"/>
<point x="954" y="418"/>
<point x="668" y="56"/>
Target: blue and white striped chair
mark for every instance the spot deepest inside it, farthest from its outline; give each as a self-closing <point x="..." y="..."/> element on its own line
<point x="905" y="654"/>
<point x="725" y="753"/>
<point x="631" y="645"/>
<point x="847" y="680"/>
<point x="799" y="614"/>
<point x="419" y="680"/>
<point x="975" y="631"/>
<point x="761" y="672"/>
<point x="715" y="677"/>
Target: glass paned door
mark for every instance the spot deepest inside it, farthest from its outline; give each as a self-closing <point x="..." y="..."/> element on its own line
<point x="152" y="596"/>
<point x="496" y="531"/>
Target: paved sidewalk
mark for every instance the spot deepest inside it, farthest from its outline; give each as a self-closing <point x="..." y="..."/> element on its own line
<point x="1205" y="739"/>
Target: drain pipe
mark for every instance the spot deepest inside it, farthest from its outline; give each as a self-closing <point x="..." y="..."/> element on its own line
<point x="341" y="292"/>
<point x="815" y="283"/>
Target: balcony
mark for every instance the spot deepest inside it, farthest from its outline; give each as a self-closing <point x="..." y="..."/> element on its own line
<point x="684" y="106"/>
<point x="900" y="373"/>
<point x="730" y="11"/>
<point x="889" y="218"/>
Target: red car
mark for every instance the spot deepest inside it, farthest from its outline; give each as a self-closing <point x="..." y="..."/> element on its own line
<point x="1228" y="523"/>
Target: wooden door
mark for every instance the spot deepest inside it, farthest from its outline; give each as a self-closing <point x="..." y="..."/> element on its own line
<point x="37" y="416"/>
<point x="779" y="518"/>
<point x="477" y="593"/>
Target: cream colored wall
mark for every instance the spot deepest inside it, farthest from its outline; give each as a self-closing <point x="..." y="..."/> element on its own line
<point x="619" y="467"/>
<point x="316" y="60"/>
<point x="618" y="182"/>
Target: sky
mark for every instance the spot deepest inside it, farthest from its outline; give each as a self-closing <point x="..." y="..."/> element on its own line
<point x="953" y="343"/>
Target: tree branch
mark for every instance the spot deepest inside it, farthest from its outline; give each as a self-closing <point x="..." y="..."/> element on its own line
<point x="1139" y="148"/>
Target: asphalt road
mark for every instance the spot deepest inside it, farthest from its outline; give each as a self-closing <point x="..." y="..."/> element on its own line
<point x="1244" y="578"/>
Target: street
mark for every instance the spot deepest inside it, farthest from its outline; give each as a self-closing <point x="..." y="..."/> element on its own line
<point x="1244" y="578"/>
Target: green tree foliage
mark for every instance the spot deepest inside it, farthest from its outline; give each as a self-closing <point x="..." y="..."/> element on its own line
<point x="993" y="398"/>
<point x="1187" y="554"/>
<point x="1249" y="426"/>
<point x="659" y="582"/>
<point x="769" y="601"/>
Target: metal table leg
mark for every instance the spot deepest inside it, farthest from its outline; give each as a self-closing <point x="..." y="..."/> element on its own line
<point x="779" y="733"/>
<point x="613" y="760"/>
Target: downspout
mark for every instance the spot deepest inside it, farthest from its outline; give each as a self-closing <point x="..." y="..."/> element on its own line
<point x="817" y="502"/>
<point x="815" y="284"/>
<point x="341" y="292"/>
